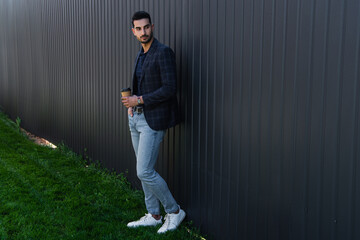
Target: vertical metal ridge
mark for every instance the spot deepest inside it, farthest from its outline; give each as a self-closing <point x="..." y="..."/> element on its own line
<point x="123" y="49"/>
<point x="214" y="116"/>
<point x="239" y="108"/>
<point x="355" y="152"/>
<point x="106" y="77"/>
<point x="182" y="96"/>
<point x="294" y="119"/>
<point x="232" y="106"/>
<point x="115" y="86"/>
<point x="270" y="103"/>
<point x="258" y="128"/>
<point x="336" y="164"/>
<point x="309" y="118"/>
<point x="80" y="77"/>
<point x="199" y="110"/>
<point x="253" y="193"/>
<point x="16" y="62"/>
<point x="282" y="85"/>
<point x="73" y="72"/>
<point x="230" y="92"/>
<point x="323" y="124"/>
<point x="2" y="55"/>
<point x="206" y="142"/>
<point x="221" y="118"/>
<point x="192" y="98"/>
<point x="87" y="56"/>
<point x="170" y="155"/>
<point x="65" y="58"/>
<point x="177" y="131"/>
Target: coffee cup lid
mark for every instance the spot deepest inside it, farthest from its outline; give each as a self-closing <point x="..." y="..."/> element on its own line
<point x="126" y="89"/>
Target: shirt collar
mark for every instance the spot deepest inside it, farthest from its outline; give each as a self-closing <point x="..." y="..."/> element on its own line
<point x="153" y="45"/>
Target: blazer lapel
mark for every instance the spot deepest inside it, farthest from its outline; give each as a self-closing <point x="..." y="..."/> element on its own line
<point x="134" y="68"/>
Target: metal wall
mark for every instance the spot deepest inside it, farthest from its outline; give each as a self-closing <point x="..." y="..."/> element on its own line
<point x="268" y="147"/>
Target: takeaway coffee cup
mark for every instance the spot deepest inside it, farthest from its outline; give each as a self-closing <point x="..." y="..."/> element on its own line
<point x="125" y="92"/>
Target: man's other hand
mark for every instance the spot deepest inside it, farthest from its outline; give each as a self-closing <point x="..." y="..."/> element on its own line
<point x="130" y="111"/>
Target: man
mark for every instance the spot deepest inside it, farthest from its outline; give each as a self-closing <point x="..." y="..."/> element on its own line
<point x="152" y="109"/>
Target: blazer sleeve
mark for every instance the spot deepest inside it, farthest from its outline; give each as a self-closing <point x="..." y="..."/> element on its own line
<point x="167" y="68"/>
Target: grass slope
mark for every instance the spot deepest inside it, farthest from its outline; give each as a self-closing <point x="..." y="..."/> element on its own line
<point x="49" y="194"/>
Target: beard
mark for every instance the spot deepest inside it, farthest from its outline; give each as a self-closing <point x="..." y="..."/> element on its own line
<point x="147" y="40"/>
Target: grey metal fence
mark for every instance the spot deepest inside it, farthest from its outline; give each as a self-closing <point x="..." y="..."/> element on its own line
<point x="268" y="146"/>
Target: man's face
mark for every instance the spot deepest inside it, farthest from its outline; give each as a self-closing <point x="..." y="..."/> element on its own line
<point x="143" y="30"/>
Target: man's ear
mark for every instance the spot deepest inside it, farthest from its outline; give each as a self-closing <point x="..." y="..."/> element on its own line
<point x="133" y="30"/>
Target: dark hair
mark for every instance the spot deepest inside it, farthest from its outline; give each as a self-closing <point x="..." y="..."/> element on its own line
<point x="140" y="15"/>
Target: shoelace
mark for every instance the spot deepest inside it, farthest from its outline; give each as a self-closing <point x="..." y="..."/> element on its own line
<point x="167" y="220"/>
<point x="144" y="218"/>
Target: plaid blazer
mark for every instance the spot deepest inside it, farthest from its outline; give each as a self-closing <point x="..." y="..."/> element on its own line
<point x="158" y="86"/>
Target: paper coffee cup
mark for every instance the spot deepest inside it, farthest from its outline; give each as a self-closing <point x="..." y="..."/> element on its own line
<point x="125" y="92"/>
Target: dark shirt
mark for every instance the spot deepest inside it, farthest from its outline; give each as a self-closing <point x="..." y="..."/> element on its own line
<point x="138" y="71"/>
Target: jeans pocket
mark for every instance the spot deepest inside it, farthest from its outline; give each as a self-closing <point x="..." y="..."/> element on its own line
<point x="131" y="120"/>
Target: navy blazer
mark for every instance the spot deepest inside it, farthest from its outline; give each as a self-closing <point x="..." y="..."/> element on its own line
<point x="158" y="86"/>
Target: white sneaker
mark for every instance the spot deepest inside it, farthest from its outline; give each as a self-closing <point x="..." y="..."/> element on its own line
<point x="146" y="220"/>
<point x="172" y="221"/>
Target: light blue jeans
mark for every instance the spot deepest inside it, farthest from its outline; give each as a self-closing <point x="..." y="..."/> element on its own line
<point x="146" y="143"/>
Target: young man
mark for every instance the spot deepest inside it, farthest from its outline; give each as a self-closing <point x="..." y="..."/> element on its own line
<point x="152" y="109"/>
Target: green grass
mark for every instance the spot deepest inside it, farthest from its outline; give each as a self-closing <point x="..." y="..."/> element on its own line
<point x="51" y="194"/>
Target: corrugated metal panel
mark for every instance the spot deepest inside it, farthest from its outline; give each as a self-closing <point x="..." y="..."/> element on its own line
<point x="268" y="147"/>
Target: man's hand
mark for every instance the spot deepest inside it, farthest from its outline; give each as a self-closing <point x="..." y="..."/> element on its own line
<point x="129" y="101"/>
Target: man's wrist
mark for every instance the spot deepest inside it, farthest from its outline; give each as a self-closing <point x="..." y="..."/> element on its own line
<point x="139" y="100"/>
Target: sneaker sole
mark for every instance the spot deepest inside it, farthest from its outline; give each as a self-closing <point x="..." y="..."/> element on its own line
<point x="143" y="226"/>
<point x="182" y="219"/>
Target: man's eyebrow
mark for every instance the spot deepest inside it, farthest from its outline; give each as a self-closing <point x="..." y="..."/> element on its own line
<point x="147" y="25"/>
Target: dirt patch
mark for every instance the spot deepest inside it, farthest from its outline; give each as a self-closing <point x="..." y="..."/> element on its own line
<point x="38" y="140"/>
